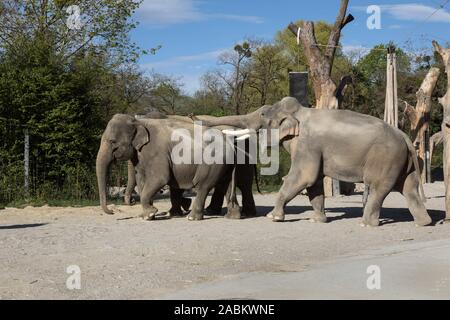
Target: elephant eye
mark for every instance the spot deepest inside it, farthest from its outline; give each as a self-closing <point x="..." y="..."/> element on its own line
<point x="112" y="141"/>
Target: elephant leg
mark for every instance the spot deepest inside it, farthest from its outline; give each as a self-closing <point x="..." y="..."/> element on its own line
<point x="233" y="209"/>
<point x="215" y="206"/>
<point x="378" y="192"/>
<point x="178" y="202"/>
<point x="296" y="180"/>
<point x="248" y="202"/>
<point x="140" y="182"/>
<point x="317" y="199"/>
<point x="147" y="194"/>
<point x="415" y="203"/>
<point x="185" y="202"/>
<point x="372" y="209"/>
<point x="244" y="181"/>
<point x="131" y="184"/>
<point x="199" y="204"/>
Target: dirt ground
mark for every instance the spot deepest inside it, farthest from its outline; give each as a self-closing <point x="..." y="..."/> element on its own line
<point x="122" y="257"/>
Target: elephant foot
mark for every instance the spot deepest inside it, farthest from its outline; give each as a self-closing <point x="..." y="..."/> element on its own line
<point x="249" y="212"/>
<point x="233" y="213"/>
<point x="370" y="223"/>
<point x="127" y="199"/>
<point x="423" y="221"/>
<point x="176" y="212"/>
<point x="195" y="216"/>
<point x="318" y="217"/>
<point x="149" y="213"/>
<point x="211" y="211"/>
<point x="276" y="216"/>
<point x="108" y="211"/>
<point x="186" y="203"/>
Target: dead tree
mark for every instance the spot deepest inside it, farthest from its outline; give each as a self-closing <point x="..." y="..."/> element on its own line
<point x="321" y="63"/>
<point x="419" y="118"/>
<point x="328" y="94"/>
<point x="435" y="140"/>
<point x="391" y="103"/>
<point x="445" y="102"/>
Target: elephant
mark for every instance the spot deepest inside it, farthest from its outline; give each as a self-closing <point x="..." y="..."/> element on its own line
<point x="341" y="144"/>
<point x="147" y="142"/>
<point x="178" y="202"/>
<point x="242" y="178"/>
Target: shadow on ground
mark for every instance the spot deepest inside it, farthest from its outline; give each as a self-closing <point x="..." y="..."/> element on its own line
<point x="387" y="216"/>
<point x="22" y="226"/>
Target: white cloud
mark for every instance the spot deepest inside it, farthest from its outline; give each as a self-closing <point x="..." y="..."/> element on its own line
<point x="182" y="60"/>
<point x="395" y="26"/>
<point x="191" y="82"/>
<point x="189" y="67"/>
<point x="416" y="12"/>
<point x="355" y="52"/>
<point x="412" y="12"/>
<point x="250" y="19"/>
<point x="354" y="48"/>
<point x="166" y="12"/>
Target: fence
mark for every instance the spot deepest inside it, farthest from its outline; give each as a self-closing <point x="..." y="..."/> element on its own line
<point x="24" y="179"/>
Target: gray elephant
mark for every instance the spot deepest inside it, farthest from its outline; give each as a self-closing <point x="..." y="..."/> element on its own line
<point x="178" y="202"/>
<point x="242" y="178"/>
<point x="148" y="144"/>
<point x="341" y="144"/>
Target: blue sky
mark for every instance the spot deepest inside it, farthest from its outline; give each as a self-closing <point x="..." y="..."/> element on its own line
<point x="194" y="32"/>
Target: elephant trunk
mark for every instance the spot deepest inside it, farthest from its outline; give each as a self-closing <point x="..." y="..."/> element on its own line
<point x="244" y="121"/>
<point x="104" y="159"/>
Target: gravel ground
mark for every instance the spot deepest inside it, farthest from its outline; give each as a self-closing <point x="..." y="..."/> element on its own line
<point x="122" y="257"/>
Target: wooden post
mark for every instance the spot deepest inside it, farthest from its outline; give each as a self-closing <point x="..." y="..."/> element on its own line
<point x="391" y="104"/>
<point x="26" y="164"/>
<point x="445" y="102"/>
<point x="320" y="66"/>
<point x="435" y="140"/>
<point x="419" y="118"/>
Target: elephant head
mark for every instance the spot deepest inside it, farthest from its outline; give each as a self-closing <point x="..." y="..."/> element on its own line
<point x="281" y="116"/>
<point x="122" y="137"/>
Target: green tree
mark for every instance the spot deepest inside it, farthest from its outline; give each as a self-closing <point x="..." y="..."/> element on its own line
<point x="54" y="81"/>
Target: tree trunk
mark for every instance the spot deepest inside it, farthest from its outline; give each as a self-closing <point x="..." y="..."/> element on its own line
<point x="419" y="118"/>
<point x="321" y="63"/>
<point x="445" y="102"/>
<point x="435" y="140"/>
<point x="391" y="104"/>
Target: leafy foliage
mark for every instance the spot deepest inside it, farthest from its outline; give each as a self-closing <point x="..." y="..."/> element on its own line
<point x="63" y="86"/>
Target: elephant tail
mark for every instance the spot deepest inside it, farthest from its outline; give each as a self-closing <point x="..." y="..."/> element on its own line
<point x="256" y="178"/>
<point x="412" y="151"/>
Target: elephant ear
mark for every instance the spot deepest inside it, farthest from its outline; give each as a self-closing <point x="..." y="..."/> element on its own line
<point x="289" y="127"/>
<point x="141" y="138"/>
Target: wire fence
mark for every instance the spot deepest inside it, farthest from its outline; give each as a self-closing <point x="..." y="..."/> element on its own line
<point x="76" y="183"/>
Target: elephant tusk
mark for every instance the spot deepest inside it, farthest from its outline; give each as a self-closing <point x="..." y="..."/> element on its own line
<point x="236" y="132"/>
<point x="244" y="137"/>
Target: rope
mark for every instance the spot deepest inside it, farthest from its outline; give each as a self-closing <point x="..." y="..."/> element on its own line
<point x="299" y="30"/>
